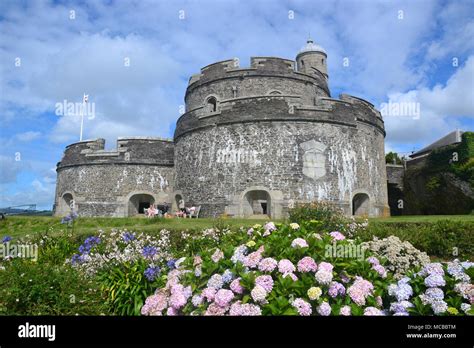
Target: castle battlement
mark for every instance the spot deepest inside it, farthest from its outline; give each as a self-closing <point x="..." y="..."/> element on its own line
<point x="347" y="110"/>
<point x="270" y="66"/>
<point x="129" y="150"/>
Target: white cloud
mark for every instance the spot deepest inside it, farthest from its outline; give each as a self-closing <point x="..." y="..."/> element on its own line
<point x="39" y="193"/>
<point x="440" y="108"/>
<point x="28" y="136"/>
<point x="9" y="169"/>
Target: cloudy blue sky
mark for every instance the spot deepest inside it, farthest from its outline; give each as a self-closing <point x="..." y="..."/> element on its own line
<point x="51" y="51"/>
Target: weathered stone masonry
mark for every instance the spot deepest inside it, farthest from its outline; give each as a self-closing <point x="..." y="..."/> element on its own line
<point x="252" y="141"/>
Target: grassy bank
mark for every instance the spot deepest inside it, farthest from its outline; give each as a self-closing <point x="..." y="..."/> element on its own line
<point x="17" y="226"/>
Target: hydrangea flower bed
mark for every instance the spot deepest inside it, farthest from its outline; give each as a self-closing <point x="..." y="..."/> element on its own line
<point x="118" y="247"/>
<point x="286" y="270"/>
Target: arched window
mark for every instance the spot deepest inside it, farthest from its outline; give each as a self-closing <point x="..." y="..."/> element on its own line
<point x="302" y="63"/>
<point x="211" y="104"/>
<point x="274" y="92"/>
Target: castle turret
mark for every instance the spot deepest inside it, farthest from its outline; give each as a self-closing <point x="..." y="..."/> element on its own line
<point x="311" y="59"/>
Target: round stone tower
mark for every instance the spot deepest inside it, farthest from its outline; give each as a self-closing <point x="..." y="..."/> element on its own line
<point x="312" y="57"/>
<point x="257" y="140"/>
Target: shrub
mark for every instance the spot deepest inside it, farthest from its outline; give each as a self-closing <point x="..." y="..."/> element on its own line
<point x="444" y="238"/>
<point x="400" y="256"/>
<point x="286" y="270"/>
<point x="274" y="270"/>
<point x="438" y="289"/>
<point x="328" y="216"/>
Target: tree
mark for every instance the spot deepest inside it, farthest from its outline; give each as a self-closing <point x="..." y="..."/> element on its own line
<point x="392" y="158"/>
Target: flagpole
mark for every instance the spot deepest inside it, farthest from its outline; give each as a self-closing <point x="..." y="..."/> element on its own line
<point x="82" y="118"/>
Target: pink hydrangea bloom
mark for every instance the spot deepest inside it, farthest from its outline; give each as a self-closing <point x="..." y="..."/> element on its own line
<point x="270" y="226"/>
<point x="286" y="266"/>
<point x="379" y="301"/>
<point x="196" y="300"/>
<point x="178" y="300"/>
<point x="371" y="311"/>
<point x="173" y="278"/>
<point x="248" y="309"/>
<point x="323" y="277"/>
<point x="223" y="297"/>
<point x="236" y="287"/>
<point x="324" y="309"/>
<point x="337" y="235"/>
<point x="380" y="270"/>
<point x="215" y="310"/>
<point x="209" y="294"/>
<point x="258" y="293"/>
<point x="360" y="290"/>
<point x="155" y="304"/>
<point x="303" y="307"/>
<point x="215" y="281"/>
<point x="267" y="264"/>
<point x="253" y="259"/>
<point x="250" y="231"/>
<point x="325" y="266"/>
<point x="171" y="311"/>
<point x="336" y="289"/>
<point x="373" y="260"/>
<point x="345" y="310"/>
<point x="265" y="281"/>
<point x="299" y="243"/>
<point x="307" y="264"/>
<point x="217" y="256"/>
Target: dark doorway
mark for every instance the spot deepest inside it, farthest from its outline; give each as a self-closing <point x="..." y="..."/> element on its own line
<point x="264" y="207"/>
<point x="142" y="206"/>
<point x="138" y="203"/>
<point x="360" y="205"/>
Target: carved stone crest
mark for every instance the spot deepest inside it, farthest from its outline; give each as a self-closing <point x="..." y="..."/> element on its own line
<point x="314" y="159"/>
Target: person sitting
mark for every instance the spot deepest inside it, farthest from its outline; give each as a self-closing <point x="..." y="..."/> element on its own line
<point x="191" y="211"/>
<point x="152" y="211"/>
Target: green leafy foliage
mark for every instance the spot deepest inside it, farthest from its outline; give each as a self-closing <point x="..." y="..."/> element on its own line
<point x="44" y="288"/>
<point x="126" y="287"/>
<point x="326" y="215"/>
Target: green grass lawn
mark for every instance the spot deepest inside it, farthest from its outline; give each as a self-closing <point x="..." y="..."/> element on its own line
<point x="17" y="226"/>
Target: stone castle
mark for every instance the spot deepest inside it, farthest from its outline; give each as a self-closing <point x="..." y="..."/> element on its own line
<point x="252" y="141"/>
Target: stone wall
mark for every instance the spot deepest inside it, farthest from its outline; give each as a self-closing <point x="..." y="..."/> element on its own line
<point x="395" y="174"/>
<point x="226" y="81"/>
<point x="292" y="161"/>
<point x="116" y="182"/>
<point x="275" y="137"/>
